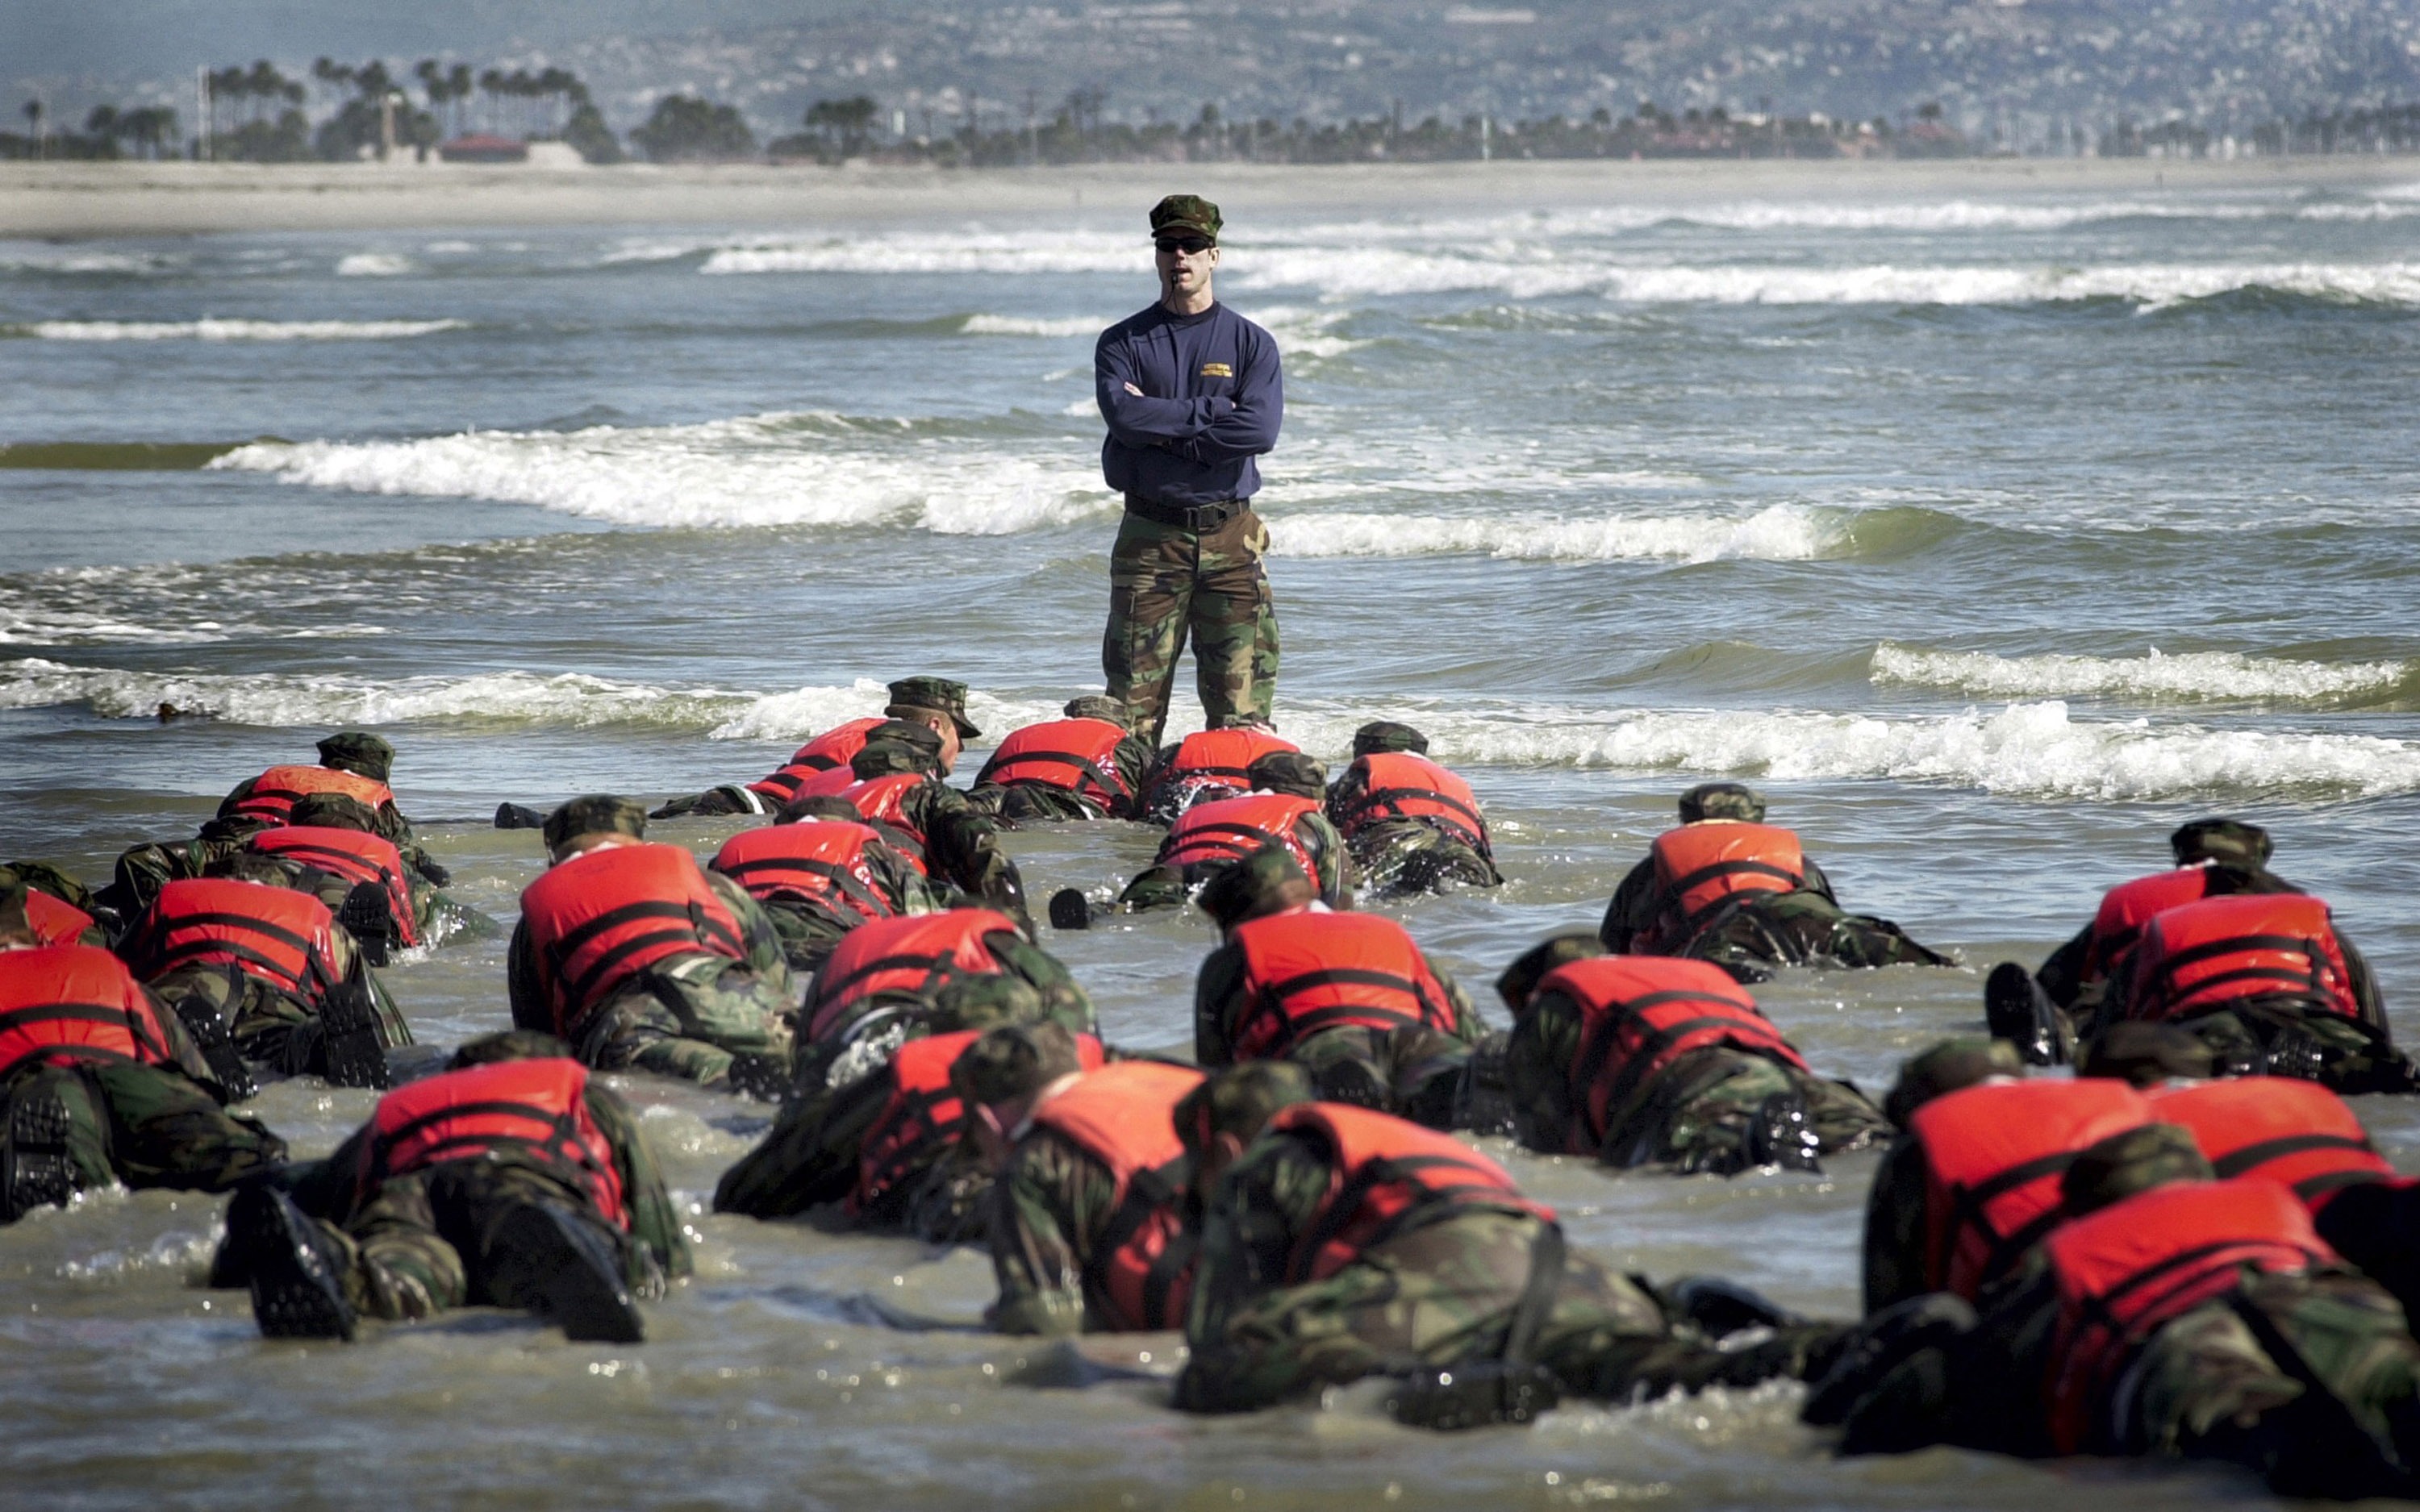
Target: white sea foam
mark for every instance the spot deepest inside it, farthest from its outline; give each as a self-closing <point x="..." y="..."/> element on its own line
<point x="1780" y="533"/>
<point x="1017" y="325"/>
<point x="227" y="329"/>
<point x="373" y="265"/>
<point x="2193" y="675"/>
<point x="765" y="470"/>
<point x="288" y="700"/>
<point x="960" y="252"/>
<point x="32" y="258"/>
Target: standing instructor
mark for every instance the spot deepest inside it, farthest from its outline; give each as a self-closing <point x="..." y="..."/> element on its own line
<point x="1193" y="392"/>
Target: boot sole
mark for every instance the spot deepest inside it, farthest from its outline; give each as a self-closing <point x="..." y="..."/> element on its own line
<point x="572" y="1280"/>
<point x="295" y="1293"/>
<point x="40" y="1174"/>
<point x="348" y="1040"/>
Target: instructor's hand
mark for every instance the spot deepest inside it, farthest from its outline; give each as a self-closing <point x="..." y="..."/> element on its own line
<point x="1137" y="392"/>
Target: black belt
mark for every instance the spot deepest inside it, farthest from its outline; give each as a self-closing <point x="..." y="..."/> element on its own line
<point x="1188" y="516"/>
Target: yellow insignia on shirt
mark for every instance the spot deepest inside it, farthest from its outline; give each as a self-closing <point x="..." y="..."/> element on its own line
<point x="1216" y="370"/>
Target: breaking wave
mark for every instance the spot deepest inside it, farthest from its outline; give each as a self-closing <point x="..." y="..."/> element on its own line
<point x="2206" y="675"/>
<point x="373" y="265"/>
<point x="761" y="470"/>
<point x="213" y="329"/>
<point x="1781" y="533"/>
<point x="1017" y="325"/>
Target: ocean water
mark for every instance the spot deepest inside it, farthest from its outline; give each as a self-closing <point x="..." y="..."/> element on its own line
<point x="1990" y="536"/>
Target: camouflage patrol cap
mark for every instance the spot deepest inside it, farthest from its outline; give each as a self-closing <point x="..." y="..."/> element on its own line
<point x="1012" y="1062"/>
<point x="509" y="1044"/>
<point x="360" y="752"/>
<point x="251" y="865"/>
<point x="1951" y="1066"/>
<point x="1182" y="213"/>
<point x="820" y="806"/>
<point x="984" y="1002"/>
<point x="599" y="813"/>
<point x="2229" y="842"/>
<point x="2147" y="1055"/>
<point x="935" y="693"/>
<point x="43" y="877"/>
<point x="1289" y="772"/>
<point x="333" y="810"/>
<point x="1382" y="735"/>
<point x="1721" y="800"/>
<point x="1239" y="1101"/>
<point x="2124" y="1165"/>
<point x="1265" y="882"/>
<point x="1096" y="706"/>
<point x="1519" y="982"/>
<point x="897" y="746"/>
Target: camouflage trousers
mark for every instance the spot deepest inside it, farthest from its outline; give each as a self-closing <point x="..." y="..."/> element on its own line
<point x="1414" y="1073"/>
<point x="730" y="798"/>
<point x="808" y="934"/>
<point x="1704" y="1112"/>
<point x="140" y="1125"/>
<point x="2341" y="1053"/>
<point x="426" y="1242"/>
<point x="1800" y="929"/>
<point x="1446" y="1294"/>
<point x="1406" y="855"/>
<point x="688" y="1020"/>
<point x="1166" y="584"/>
<point x="272" y="1029"/>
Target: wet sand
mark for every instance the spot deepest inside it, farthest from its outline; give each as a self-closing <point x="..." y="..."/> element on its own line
<point x="95" y="199"/>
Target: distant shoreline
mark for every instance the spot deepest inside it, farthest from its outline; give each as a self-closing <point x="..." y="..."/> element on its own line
<point x="77" y="200"/>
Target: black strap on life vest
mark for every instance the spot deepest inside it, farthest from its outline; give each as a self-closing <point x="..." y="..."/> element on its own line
<point x="1148" y="1190"/>
<point x="1379" y="797"/>
<point x="1248" y="838"/>
<point x="1686" y="885"/>
<point x="1433" y="1201"/>
<point x="1600" y="1045"/>
<point x="316" y="978"/>
<point x="74" y="1012"/>
<point x="1276" y="994"/>
<point x="839" y="876"/>
<point x="1090" y="768"/>
<point x="1966" y="1204"/>
<point x="938" y="970"/>
<point x="2307" y="949"/>
<point x="700" y="928"/>
<point x="2240" y="1161"/>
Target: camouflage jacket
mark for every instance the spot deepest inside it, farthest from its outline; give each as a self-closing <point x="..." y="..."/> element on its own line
<point x="532" y="1008"/>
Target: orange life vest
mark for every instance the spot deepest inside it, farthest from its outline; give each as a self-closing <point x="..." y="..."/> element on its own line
<point x="601" y="917"/>
<point x="1140" y="1270"/>
<point x="1699" y="867"/>
<point x="1229" y="829"/>
<point x="2278" y="1129"/>
<point x="1641" y="1013"/>
<point x="1305" y="972"/>
<point x="1399" y="785"/>
<point x="536" y="1110"/>
<point x="830" y="751"/>
<point x="921" y="1116"/>
<point x="352" y="854"/>
<point x="54" y="920"/>
<point x="1080" y="755"/>
<point x="276" y="934"/>
<point x="1207" y="760"/>
<point x="2127" y="907"/>
<point x="2205" y="956"/>
<point x="275" y="792"/>
<point x="818" y="861"/>
<point x="1385" y="1176"/>
<point x="62" y="1003"/>
<point x="916" y="954"/>
<point x="882" y="801"/>
<point x="2125" y="1271"/>
<point x="1994" y="1157"/>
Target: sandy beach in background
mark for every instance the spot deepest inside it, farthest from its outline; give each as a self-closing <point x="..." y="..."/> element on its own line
<point x="102" y="199"/>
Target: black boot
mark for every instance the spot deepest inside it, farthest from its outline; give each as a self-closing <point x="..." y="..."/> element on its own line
<point x="765" y="1078"/>
<point x="563" y="1267"/>
<point x="298" y="1285"/>
<point x="1353" y="1081"/>
<point x="1070" y="909"/>
<point x="369" y="917"/>
<point x="1781" y="1132"/>
<point x="521" y="816"/>
<point x="1474" y="1394"/>
<point x="39" y="1173"/>
<point x="2014" y="1007"/>
<point x="1879" y="1346"/>
<point x="209" y="1027"/>
<point x="1722" y="1306"/>
<point x="348" y="1038"/>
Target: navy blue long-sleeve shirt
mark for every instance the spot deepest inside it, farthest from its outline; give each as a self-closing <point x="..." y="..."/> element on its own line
<point x="1213" y="395"/>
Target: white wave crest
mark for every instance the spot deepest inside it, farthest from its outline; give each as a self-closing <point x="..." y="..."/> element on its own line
<point x="1780" y="533"/>
<point x="2193" y="675"/>
<point x="215" y="330"/>
<point x="373" y="265"/>
<point x="1017" y="325"/>
<point x="961" y="251"/>
<point x="274" y="699"/>
<point x="761" y="470"/>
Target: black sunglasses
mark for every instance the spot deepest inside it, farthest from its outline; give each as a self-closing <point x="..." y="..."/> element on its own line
<point x="1190" y="246"/>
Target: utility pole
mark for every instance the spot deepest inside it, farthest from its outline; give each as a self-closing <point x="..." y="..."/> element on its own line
<point x="1032" y="142"/>
<point x="1486" y="138"/>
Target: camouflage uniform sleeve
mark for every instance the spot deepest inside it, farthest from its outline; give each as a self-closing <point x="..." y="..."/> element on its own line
<point x="899" y="884"/>
<point x="655" y="1221"/>
<point x="1243" y="1355"/>
<point x="1344" y="794"/>
<point x="524" y="988"/>
<point x="1064" y="1002"/>
<point x="1469" y="1024"/>
<point x="964" y="845"/>
<point x="327" y="1188"/>
<point x="2062" y="976"/>
<point x="1895" y="1236"/>
<point x="1334" y="862"/>
<point x="1816" y="881"/>
<point x="1047" y="1209"/>
<point x="1537" y="1074"/>
<point x="1218" y="1000"/>
<point x="1133" y="758"/>
<point x="810" y="1155"/>
<point x="1633" y="909"/>
<point x="764" y="956"/>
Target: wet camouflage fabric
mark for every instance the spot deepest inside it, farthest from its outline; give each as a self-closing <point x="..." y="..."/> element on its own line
<point x="1039" y="803"/>
<point x="1694" y="1116"/>
<point x="1167" y="583"/>
<point x="42" y="877"/>
<point x="417" y="1244"/>
<point x="1398" y="856"/>
<point x="144" y="870"/>
<point x="1637" y="901"/>
<point x="962" y="847"/>
<point x="1759" y="932"/>
<point x="146" y="1126"/>
<point x="1167" y="886"/>
<point x="2284" y="1039"/>
<point x="1413" y="1073"/>
<point x="810" y="930"/>
<point x="2204" y="1386"/>
<point x="685" y="1017"/>
<point x="1049" y="1215"/>
<point x="1040" y="990"/>
<point x="1443" y="1293"/>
